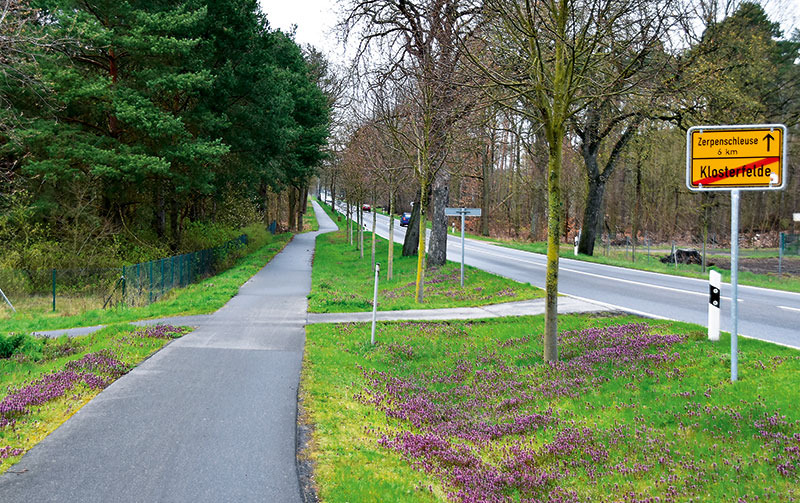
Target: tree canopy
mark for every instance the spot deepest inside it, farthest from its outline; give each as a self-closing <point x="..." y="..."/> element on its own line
<point x="149" y="114"/>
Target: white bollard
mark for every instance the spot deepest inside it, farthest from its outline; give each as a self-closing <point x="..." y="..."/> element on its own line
<point x="714" y="284"/>
<point x="375" y="302"/>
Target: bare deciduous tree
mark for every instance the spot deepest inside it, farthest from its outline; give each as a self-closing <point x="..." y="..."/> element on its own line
<point x="551" y="58"/>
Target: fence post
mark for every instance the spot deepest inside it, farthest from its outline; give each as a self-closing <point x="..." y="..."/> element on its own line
<point x="151" y="282"/>
<point x="124" y="282"/>
<point x="54" y="290"/>
<point x="780" y="254"/>
<point x="172" y="273"/>
<point x="375" y="298"/>
<point x="162" y="277"/>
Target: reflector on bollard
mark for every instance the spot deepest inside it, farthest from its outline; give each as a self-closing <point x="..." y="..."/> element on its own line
<point x="714" y="294"/>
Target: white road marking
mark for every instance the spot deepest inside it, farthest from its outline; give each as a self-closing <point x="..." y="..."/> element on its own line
<point x="789" y="308"/>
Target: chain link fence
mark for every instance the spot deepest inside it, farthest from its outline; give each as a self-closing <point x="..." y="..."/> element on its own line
<point x="101" y="287"/>
<point x="789" y="245"/>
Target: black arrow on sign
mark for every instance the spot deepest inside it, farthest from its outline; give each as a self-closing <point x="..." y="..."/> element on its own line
<point x="768" y="138"/>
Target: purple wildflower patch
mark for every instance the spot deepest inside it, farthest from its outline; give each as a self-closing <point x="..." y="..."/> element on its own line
<point x="161" y="332"/>
<point x="494" y="430"/>
<point x="8" y="451"/>
<point x="95" y="370"/>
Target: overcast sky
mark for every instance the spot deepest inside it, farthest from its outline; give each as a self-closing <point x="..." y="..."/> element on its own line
<point x="315" y="20"/>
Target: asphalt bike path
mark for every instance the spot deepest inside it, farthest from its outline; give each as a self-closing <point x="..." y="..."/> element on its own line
<point x="209" y="418"/>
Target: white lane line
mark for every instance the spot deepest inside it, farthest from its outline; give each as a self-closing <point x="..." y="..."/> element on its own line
<point x="789" y="308"/>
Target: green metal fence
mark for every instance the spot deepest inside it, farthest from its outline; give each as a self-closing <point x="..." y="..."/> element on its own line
<point x="101" y="287"/>
<point x="790" y="245"/>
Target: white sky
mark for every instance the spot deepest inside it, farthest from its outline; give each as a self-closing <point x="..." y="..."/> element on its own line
<point x="315" y="20"/>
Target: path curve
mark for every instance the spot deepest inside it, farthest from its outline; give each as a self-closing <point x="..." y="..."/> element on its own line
<point x="211" y="417"/>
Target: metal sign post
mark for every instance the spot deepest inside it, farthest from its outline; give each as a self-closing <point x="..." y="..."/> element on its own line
<point x="735" y="285"/>
<point x="375" y="302"/>
<point x="736" y="158"/>
<point x="462" y="212"/>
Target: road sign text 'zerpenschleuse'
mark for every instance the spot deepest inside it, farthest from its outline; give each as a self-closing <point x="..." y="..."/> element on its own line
<point x="736" y="157"/>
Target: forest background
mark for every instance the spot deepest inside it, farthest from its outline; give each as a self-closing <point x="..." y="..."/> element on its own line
<point x="137" y="130"/>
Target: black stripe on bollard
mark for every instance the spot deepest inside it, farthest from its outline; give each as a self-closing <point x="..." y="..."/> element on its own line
<point x="713" y="295"/>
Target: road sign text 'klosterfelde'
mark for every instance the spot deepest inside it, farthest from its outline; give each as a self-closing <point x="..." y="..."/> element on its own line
<point x="735" y="157"/>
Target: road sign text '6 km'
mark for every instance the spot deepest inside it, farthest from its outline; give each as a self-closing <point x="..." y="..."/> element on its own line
<point x="736" y="157"/>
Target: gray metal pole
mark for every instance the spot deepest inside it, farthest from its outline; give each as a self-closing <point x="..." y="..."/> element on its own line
<point x="375" y="302"/>
<point x="462" y="246"/>
<point x="735" y="284"/>
<point x="8" y="301"/>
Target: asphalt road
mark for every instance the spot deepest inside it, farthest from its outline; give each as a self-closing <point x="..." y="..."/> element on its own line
<point x="209" y="418"/>
<point x="769" y="315"/>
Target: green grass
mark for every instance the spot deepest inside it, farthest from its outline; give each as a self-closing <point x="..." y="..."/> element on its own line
<point x="310" y="223"/>
<point x="203" y="297"/>
<point x="126" y="343"/>
<point x="396" y="422"/>
<point x="335" y="291"/>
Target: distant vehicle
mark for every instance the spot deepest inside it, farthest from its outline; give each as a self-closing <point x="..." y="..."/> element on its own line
<point x="366" y="207"/>
<point x="405" y="219"/>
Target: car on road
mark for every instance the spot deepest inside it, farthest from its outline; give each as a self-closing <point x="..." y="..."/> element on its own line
<point x="366" y="208"/>
<point x="405" y="219"/>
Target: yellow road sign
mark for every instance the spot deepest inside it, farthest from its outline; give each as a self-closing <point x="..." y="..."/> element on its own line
<point x="736" y="157"/>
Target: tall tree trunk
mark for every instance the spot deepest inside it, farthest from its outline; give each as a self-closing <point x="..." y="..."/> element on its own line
<point x="159" y="213"/>
<point x="421" y="241"/>
<point x="411" y="241"/>
<point x="361" y="229"/>
<point x="333" y="195"/>
<point x="637" y="208"/>
<point x="292" y="204"/>
<point x="437" y="250"/>
<point x="265" y="195"/>
<point x="175" y="224"/>
<point x="390" y="259"/>
<point x="349" y="220"/>
<point x="592" y="215"/>
<point x="488" y="162"/>
<point x="555" y="139"/>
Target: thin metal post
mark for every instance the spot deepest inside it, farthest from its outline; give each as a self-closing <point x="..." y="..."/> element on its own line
<point x="735" y="284"/>
<point x="375" y="302"/>
<point x="151" y="281"/>
<point x="8" y="301"/>
<point x="162" y="277"/>
<point x="54" y="290"/>
<point x="780" y="254"/>
<point x="124" y="281"/>
<point x="462" y="246"/>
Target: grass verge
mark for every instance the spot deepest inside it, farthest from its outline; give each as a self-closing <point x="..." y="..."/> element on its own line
<point x="203" y="297"/>
<point x="334" y="292"/>
<point x="47" y="382"/>
<point x="310" y="223"/>
<point x="469" y="412"/>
